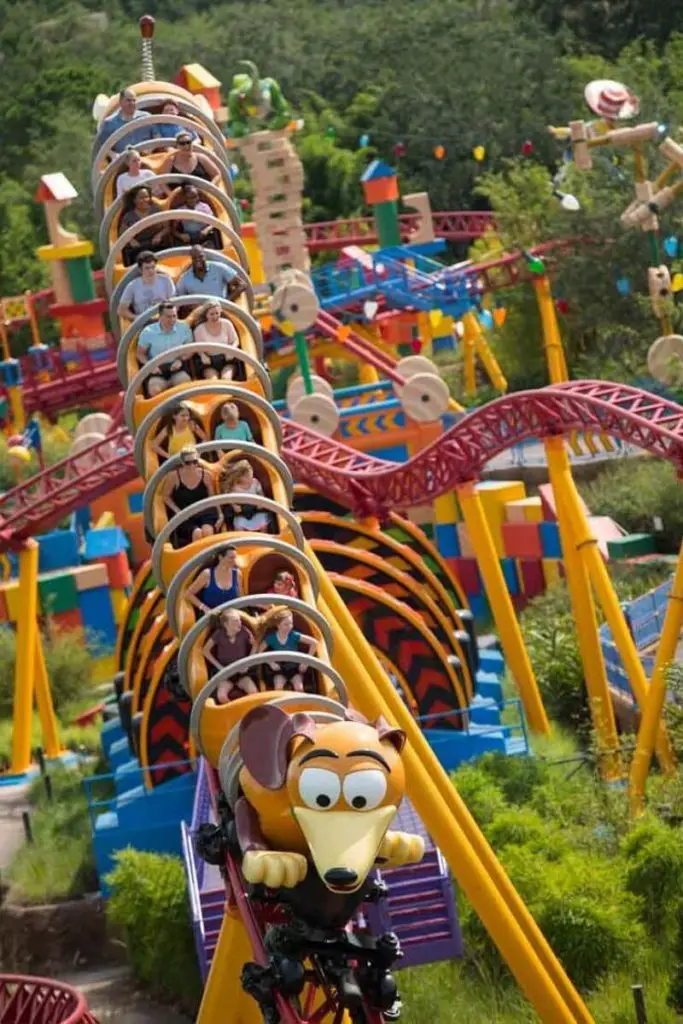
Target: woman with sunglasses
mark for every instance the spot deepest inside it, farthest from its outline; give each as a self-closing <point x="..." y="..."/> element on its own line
<point x="184" y="487"/>
<point x="183" y="160"/>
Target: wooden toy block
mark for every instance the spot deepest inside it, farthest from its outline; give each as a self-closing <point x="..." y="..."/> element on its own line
<point x="57" y="593"/>
<point x="139" y="546"/>
<point x="119" y="601"/>
<point x="495" y="494"/>
<point x="525" y="510"/>
<point x="466" y="549"/>
<point x="118" y="569"/>
<point x="551" y="571"/>
<point x="88" y="577"/>
<point x="447" y="539"/>
<point x="550" y="539"/>
<point x="4" y="610"/>
<point x="547" y="496"/>
<point x="633" y="545"/>
<point x="66" y="621"/>
<point x="605" y="530"/>
<point x="532" y="578"/>
<point x="10" y="593"/>
<point x="103" y="669"/>
<point x="467" y="571"/>
<point x="446" y="509"/>
<point x="522" y="540"/>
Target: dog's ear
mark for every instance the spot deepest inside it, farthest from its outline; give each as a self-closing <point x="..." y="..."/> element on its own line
<point x="265" y="735"/>
<point x="390" y="733"/>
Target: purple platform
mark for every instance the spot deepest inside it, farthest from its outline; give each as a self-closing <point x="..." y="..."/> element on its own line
<point x="420" y="906"/>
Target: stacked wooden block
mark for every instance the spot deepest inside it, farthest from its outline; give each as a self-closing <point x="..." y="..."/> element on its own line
<point x="524" y="532"/>
<point x="83" y="590"/>
<point x="278" y="178"/>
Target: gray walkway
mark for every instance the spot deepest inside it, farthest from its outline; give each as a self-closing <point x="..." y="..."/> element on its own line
<point x="12" y="803"/>
<point x="112" y="996"/>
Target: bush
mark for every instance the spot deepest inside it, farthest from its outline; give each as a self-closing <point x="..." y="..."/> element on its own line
<point x="654" y="872"/>
<point x="517" y="777"/>
<point x="676" y="990"/>
<point x="633" y="492"/>
<point x="524" y="827"/>
<point x="149" y="902"/>
<point x="68" y="667"/>
<point x="484" y="799"/>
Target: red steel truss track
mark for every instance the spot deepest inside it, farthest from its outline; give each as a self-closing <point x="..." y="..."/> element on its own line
<point x="371" y="486"/>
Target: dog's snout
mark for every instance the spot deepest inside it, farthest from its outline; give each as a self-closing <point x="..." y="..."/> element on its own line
<point x="341" y="877"/>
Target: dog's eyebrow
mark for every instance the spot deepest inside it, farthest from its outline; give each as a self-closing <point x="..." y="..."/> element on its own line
<point x="372" y="754"/>
<point x="318" y="753"/>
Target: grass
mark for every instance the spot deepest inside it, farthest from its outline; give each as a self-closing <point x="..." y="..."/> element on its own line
<point x="73" y="737"/>
<point x="59" y="864"/>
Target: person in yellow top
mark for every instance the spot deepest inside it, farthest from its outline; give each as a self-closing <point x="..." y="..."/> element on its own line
<point x="179" y="432"/>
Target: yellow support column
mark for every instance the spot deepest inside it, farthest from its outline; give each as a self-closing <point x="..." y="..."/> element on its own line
<point x="652" y="711"/>
<point x="587" y="546"/>
<point x="502" y="607"/>
<point x="469" y="340"/>
<point x="27" y="634"/>
<point x="46" y="711"/>
<point x="223" y="993"/>
<point x="552" y="341"/>
<point x="600" y="700"/>
<point x="377" y="696"/>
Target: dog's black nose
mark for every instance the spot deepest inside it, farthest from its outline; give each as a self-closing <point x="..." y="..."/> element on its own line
<point x="341" y="877"/>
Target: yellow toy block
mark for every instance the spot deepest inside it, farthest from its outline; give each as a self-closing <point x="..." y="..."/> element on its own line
<point x="10" y="592"/>
<point x="524" y="510"/>
<point x="551" y="571"/>
<point x="50" y="253"/>
<point x="103" y="669"/>
<point x="446" y="509"/>
<point x="119" y="601"/>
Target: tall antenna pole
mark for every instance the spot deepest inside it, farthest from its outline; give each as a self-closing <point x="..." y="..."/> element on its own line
<point x="147" y="24"/>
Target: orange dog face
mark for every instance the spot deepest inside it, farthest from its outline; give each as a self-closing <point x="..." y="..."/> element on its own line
<point x="328" y="791"/>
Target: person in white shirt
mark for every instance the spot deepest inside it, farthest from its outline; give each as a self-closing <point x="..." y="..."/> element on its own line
<point x="213" y="328"/>
<point x="136" y="173"/>
<point x="193" y="232"/>
<point x="147" y="290"/>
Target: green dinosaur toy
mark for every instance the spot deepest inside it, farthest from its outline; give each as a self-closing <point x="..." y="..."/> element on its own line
<point x="255" y="104"/>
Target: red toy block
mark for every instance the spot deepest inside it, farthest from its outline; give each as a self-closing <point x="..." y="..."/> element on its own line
<point x="467" y="572"/>
<point x="522" y="540"/>
<point x="118" y="569"/>
<point x="67" y="622"/>
<point x="520" y="601"/>
<point x="140" y="549"/>
<point x="4" y="611"/>
<point x="533" y="580"/>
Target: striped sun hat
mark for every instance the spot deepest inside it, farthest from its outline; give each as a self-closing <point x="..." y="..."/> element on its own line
<point x="611" y="100"/>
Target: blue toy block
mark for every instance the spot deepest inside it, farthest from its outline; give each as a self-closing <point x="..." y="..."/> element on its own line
<point x="135" y="503"/>
<point x="479" y="607"/>
<point x="119" y="753"/>
<point x="97" y="613"/>
<point x="57" y="550"/>
<point x="453" y="748"/>
<point x="509" y="567"/>
<point x="103" y="543"/>
<point x="550" y="540"/>
<point x="483" y="711"/>
<point x="396" y="453"/>
<point x="491" y="660"/>
<point x="111" y="732"/>
<point x="488" y="685"/>
<point x="447" y="542"/>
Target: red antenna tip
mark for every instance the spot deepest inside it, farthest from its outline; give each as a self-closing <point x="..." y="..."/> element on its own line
<point x="147" y="24"/>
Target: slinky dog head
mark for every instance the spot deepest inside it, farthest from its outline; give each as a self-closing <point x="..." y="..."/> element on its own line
<point x="328" y="791"/>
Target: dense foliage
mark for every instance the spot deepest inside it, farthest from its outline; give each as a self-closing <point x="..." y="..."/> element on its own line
<point x="149" y="903"/>
<point x="449" y="72"/>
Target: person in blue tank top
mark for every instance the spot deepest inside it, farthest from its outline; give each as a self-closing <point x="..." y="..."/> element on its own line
<point x="276" y="632"/>
<point x="218" y="583"/>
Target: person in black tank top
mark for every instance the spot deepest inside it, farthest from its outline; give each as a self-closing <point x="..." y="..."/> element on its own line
<point x="185" y="487"/>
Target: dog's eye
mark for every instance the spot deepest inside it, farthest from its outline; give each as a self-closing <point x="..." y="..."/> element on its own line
<point x="319" y="789"/>
<point x="365" y="790"/>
